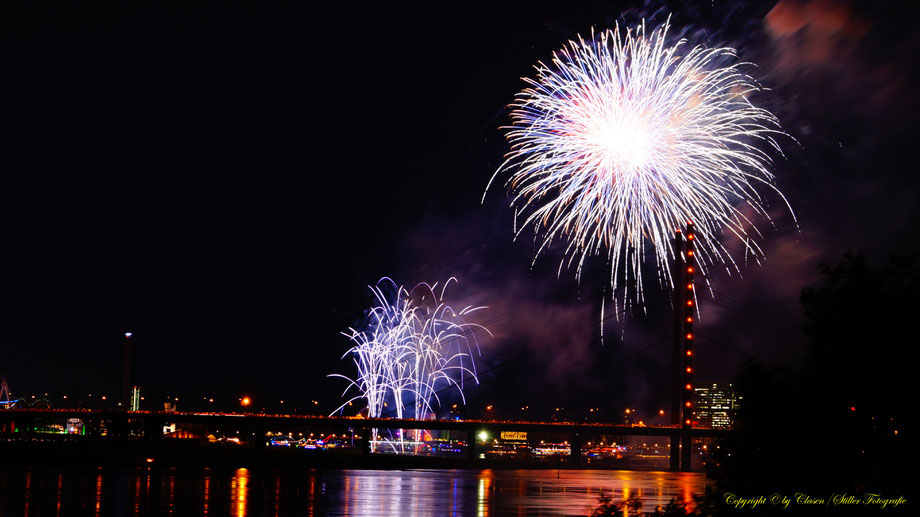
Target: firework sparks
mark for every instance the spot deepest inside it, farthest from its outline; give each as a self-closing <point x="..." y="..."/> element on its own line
<point x="622" y="139"/>
<point x="414" y="345"/>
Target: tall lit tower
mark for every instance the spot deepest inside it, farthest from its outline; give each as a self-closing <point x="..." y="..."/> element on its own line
<point x="126" y="379"/>
<point x="682" y="357"/>
<point x="689" y="311"/>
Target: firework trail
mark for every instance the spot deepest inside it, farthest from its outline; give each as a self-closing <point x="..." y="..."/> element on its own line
<point x="414" y="343"/>
<point x="623" y="139"/>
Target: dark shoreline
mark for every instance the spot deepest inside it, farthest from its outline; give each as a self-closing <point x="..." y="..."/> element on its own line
<point x="142" y="454"/>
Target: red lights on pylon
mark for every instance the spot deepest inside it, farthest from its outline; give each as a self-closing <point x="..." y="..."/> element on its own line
<point x="684" y="319"/>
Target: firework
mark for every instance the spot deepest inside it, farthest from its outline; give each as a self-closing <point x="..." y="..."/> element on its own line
<point x="623" y="139"/>
<point x="414" y="345"/>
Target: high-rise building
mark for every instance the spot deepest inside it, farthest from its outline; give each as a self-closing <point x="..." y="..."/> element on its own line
<point x="716" y="405"/>
<point x="136" y="399"/>
<point x="126" y="380"/>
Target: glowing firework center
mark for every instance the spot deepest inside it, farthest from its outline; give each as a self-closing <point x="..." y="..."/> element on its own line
<point x="619" y="140"/>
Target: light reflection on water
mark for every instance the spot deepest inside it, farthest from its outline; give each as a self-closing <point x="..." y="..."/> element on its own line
<point x="244" y="492"/>
<point x="239" y="491"/>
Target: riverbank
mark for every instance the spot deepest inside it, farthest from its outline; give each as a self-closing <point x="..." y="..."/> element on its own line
<point x="194" y="454"/>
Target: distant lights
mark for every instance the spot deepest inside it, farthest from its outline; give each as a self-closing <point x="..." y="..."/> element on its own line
<point x="690" y="237"/>
<point x="687" y="422"/>
<point x="689" y="336"/>
<point x="689" y="303"/>
<point x="128" y="334"/>
<point x="689" y="352"/>
<point x="690" y="253"/>
<point x="689" y="386"/>
<point x="689" y="319"/>
<point x="689" y="270"/>
<point x="688" y="404"/>
<point x="689" y="370"/>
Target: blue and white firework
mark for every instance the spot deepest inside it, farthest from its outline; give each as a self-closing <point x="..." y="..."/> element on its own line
<point x="414" y="345"/>
<point x="622" y="139"/>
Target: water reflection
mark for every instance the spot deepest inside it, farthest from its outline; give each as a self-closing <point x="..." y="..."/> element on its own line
<point x="504" y="492"/>
<point x="172" y="494"/>
<point x="243" y="492"/>
<point x="137" y="493"/>
<point x="277" y="497"/>
<point x="239" y="490"/>
<point x="485" y="484"/>
<point x="206" y="493"/>
<point x="99" y="493"/>
<point x="57" y="499"/>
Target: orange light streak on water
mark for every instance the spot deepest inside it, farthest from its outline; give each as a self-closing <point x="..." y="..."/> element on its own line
<point x="239" y="491"/>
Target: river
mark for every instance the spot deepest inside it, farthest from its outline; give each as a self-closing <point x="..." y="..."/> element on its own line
<point x="251" y="492"/>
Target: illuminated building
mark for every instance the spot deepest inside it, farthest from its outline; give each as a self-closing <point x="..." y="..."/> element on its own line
<point x="715" y="405"/>
<point x="136" y="399"/>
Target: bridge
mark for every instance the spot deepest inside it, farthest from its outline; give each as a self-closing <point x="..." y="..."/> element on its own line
<point x="120" y="425"/>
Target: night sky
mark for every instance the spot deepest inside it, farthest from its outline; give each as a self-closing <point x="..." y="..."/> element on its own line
<point x="226" y="182"/>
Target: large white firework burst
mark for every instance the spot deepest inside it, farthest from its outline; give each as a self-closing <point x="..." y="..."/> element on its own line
<point x="622" y="139"/>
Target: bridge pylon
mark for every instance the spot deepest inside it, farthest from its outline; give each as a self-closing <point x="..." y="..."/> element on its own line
<point x="685" y="311"/>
